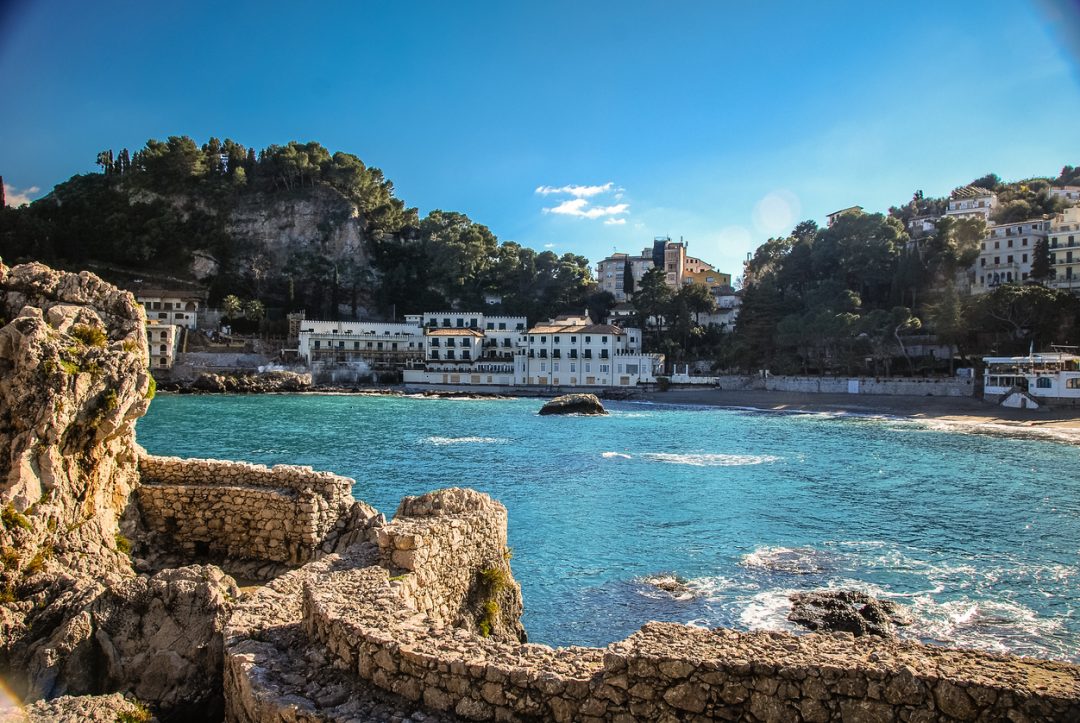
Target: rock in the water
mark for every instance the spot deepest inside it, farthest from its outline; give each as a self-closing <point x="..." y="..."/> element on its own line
<point x="674" y="586"/>
<point x="846" y="611"/>
<point x="574" y="404"/>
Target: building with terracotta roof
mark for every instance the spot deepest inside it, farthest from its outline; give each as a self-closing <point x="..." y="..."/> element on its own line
<point x="572" y="351"/>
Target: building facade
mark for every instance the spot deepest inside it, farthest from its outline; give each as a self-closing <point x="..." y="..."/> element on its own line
<point x="1064" y="241"/>
<point x="669" y="255"/>
<point x="1070" y="194"/>
<point x="170" y="307"/>
<point x="162" y="344"/>
<point x="972" y="202"/>
<point x="375" y="345"/>
<point x="1006" y="254"/>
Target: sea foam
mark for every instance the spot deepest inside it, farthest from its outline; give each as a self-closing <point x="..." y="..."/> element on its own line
<point x="711" y="460"/>
<point x="443" y="441"/>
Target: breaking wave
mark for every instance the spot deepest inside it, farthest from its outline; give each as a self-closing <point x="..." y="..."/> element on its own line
<point x="790" y="560"/>
<point x="443" y="441"/>
<point x="711" y="460"/>
<point x="615" y="455"/>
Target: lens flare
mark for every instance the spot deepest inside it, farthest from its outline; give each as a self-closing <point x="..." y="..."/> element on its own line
<point x="776" y="212"/>
<point x="11" y="710"/>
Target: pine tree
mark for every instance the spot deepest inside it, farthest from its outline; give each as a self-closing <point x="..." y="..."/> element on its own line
<point x="1040" y="262"/>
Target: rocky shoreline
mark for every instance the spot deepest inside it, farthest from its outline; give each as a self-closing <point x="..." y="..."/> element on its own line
<point x="115" y="583"/>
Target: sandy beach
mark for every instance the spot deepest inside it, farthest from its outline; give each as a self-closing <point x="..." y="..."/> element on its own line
<point x="963" y="412"/>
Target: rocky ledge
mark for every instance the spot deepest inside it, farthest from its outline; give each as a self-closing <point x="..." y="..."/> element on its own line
<point x="574" y="404"/>
<point x="265" y="383"/>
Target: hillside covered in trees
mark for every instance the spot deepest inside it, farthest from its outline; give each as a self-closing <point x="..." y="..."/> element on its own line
<point x="852" y="297"/>
<point x="292" y="226"/>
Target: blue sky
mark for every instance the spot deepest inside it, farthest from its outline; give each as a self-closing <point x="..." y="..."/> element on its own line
<point x="719" y="122"/>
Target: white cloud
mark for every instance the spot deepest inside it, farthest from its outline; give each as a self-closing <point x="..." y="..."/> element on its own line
<point x="614" y="221"/>
<point x="581" y="208"/>
<point x="549" y="246"/>
<point x="576" y="191"/>
<point x="13" y="197"/>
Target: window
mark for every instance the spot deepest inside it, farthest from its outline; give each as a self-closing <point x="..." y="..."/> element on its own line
<point x="1024" y="258"/>
<point x="450" y="354"/>
<point x="1010" y="243"/>
<point x="502" y="326"/>
<point x="450" y="342"/>
<point x="316" y="343"/>
<point x="603" y="368"/>
<point x="356" y="345"/>
<point x="543" y="340"/>
<point x="554" y="366"/>
<point x="588" y="367"/>
<point x="1044" y="383"/>
<point x="555" y="339"/>
<point x="1010" y="258"/>
<point x="435" y="342"/>
<point x="1073" y="383"/>
<point x="588" y="340"/>
<point x="465" y="354"/>
<point x="997" y="244"/>
<point x="434" y="353"/>
<point x="491" y="325"/>
<point x="573" y="368"/>
<point x="982" y="262"/>
<point x="460" y="323"/>
<point x="543" y="366"/>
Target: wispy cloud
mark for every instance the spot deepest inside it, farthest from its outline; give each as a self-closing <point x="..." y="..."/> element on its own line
<point x="14" y="197"/>
<point x="576" y="191"/>
<point x="549" y="246"/>
<point x="581" y="208"/>
<point x="585" y="204"/>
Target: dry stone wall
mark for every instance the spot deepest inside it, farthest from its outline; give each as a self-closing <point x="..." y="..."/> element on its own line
<point x="240" y="511"/>
<point x="389" y="631"/>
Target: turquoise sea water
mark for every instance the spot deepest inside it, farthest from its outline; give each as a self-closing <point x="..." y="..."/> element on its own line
<point x="979" y="536"/>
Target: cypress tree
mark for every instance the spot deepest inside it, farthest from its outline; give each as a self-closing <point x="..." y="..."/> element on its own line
<point x="1040" y="262"/>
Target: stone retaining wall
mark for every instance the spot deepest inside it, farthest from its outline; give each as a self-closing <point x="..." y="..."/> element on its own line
<point x="390" y="632"/>
<point x="239" y="511"/>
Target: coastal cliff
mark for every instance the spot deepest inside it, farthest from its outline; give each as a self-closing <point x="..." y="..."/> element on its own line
<point x="116" y="579"/>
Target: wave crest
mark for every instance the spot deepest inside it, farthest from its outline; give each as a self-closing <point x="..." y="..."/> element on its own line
<point x="711" y="460"/>
<point x="443" y="441"/>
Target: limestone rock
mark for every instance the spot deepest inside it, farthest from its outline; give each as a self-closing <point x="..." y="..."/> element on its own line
<point x="846" y="611"/>
<point x="574" y="404"/>
<point x="81" y="709"/>
<point x="265" y="383"/>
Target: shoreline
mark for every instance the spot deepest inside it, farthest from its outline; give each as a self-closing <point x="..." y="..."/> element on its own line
<point x="961" y="414"/>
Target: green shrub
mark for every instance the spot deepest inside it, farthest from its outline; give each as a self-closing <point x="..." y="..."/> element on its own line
<point x="140" y="714"/>
<point x="89" y="335"/>
<point x="12" y="518"/>
<point x="123" y="544"/>
<point x="130" y="346"/>
<point x="496" y="579"/>
<point x="9" y="558"/>
<point x="7" y="594"/>
<point x="109" y="400"/>
<point x="37" y="562"/>
<point x="151" y="389"/>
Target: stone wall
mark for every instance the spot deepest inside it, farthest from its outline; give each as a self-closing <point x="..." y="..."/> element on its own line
<point x="893" y="386"/>
<point x="389" y="632"/>
<point x="207" y="508"/>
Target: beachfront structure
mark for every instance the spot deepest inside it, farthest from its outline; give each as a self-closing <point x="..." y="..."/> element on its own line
<point x="1048" y="376"/>
<point x="162" y="343"/>
<point x="572" y="351"/>
<point x="501" y="334"/>
<point x="831" y="218"/>
<point x="1007" y="252"/>
<point x="169" y="306"/>
<point x="972" y="202"/>
<point x="1064" y="241"/>
<point x="568" y="351"/>
<point x="364" y="345"/>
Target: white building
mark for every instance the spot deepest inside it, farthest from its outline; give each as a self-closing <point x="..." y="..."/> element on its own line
<point x="726" y="315"/>
<point x="501" y="334"/>
<point x="1064" y="240"/>
<point x="377" y="345"/>
<point x="162" y="343"/>
<point x="972" y="202"/>
<point x="1047" y="375"/>
<point x="610" y="273"/>
<point x="1006" y="254"/>
<point x="170" y="307"/>
<point x="572" y="351"/>
<point x="671" y="255"/>
<point x="1071" y="194"/>
<point x="922" y="225"/>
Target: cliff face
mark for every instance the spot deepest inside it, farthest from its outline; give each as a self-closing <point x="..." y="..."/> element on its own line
<point x="318" y="219"/>
<point x="73" y="380"/>
<point x="74" y="618"/>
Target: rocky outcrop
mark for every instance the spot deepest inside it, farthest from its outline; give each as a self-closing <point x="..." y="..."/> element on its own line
<point x="846" y="611"/>
<point x="265" y="383"/>
<point x="113" y="708"/>
<point x="74" y="618"/>
<point x="574" y="404"/>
